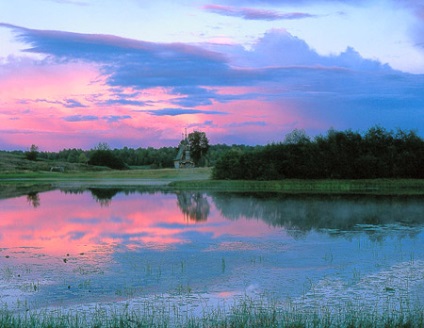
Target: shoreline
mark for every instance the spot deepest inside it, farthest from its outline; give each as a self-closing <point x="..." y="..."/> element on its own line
<point x="15" y="187"/>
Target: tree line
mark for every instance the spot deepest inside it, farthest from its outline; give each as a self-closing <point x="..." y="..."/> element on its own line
<point x="148" y="157"/>
<point x="103" y="155"/>
<point x="152" y="157"/>
<point x="378" y="153"/>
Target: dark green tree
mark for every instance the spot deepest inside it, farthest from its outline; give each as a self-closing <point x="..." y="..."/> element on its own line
<point x="296" y="137"/>
<point x="104" y="156"/>
<point x="338" y="155"/>
<point x="102" y="146"/>
<point x="199" y="145"/>
<point x="32" y="153"/>
<point x="230" y="166"/>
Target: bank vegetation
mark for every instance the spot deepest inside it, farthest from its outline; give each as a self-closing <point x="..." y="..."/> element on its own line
<point x="376" y="154"/>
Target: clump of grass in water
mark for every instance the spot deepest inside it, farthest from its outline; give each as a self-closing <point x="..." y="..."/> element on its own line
<point x="245" y="313"/>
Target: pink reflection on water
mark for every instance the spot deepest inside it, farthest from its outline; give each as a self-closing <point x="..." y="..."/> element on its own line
<point x="75" y="222"/>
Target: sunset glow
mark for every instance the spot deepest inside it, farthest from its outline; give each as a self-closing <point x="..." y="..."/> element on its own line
<point x="59" y="227"/>
<point x="243" y="71"/>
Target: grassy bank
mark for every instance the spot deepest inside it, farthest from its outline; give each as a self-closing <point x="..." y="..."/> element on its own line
<point x="24" y="183"/>
<point x="245" y="313"/>
<point x="170" y="174"/>
<point x="199" y="179"/>
<point x="19" y="189"/>
<point x="379" y="186"/>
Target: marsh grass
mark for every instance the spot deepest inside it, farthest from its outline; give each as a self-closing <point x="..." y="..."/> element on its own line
<point x="326" y="186"/>
<point x="12" y="185"/>
<point x="182" y="174"/>
<point x="244" y="313"/>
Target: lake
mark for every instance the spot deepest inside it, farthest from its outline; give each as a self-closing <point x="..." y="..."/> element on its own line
<point x="78" y="249"/>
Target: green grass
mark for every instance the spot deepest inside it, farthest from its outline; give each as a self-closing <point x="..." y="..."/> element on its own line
<point x="378" y="186"/>
<point x="245" y="313"/>
<point x="24" y="183"/>
<point x="173" y="174"/>
<point x="200" y="179"/>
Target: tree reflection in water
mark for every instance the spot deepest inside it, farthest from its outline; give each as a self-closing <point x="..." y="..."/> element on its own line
<point x="140" y="248"/>
<point x="299" y="214"/>
<point x="194" y="205"/>
<point x="104" y="195"/>
<point x="34" y="199"/>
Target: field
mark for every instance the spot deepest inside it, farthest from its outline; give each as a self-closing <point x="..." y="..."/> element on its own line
<point x="16" y="164"/>
<point x="16" y="167"/>
<point x="23" y="174"/>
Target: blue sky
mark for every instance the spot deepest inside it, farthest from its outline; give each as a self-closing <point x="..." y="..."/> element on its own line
<point x="137" y="73"/>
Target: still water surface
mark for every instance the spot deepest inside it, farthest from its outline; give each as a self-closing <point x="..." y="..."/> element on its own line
<point x="102" y="246"/>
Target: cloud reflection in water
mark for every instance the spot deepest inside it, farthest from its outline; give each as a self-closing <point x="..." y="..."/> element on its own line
<point x="161" y="242"/>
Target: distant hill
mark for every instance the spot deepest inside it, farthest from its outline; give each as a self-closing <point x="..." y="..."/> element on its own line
<point x="11" y="163"/>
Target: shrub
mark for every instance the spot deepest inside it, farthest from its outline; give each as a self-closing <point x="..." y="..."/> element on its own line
<point x="106" y="158"/>
<point x="32" y="153"/>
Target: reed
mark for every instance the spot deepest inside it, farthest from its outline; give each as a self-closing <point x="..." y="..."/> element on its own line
<point x="245" y="313"/>
<point x="373" y="187"/>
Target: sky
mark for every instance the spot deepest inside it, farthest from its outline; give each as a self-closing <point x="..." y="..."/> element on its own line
<point x="137" y="73"/>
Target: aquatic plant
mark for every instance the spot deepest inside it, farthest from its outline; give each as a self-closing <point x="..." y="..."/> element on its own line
<point x="248" y="312"/>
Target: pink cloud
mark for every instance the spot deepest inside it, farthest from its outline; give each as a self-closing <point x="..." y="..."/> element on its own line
<point x="75" y="223"/>
<point x="100" y="88"/>
<point x="37" y="104"/>
<point x="253" y="13"/>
